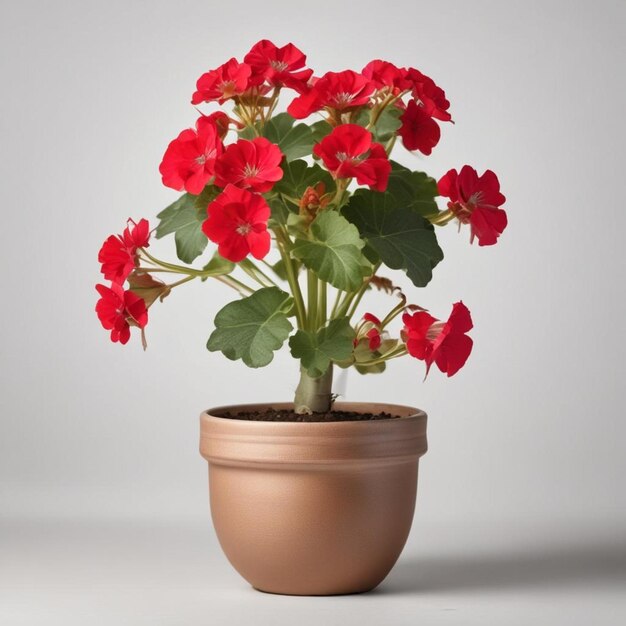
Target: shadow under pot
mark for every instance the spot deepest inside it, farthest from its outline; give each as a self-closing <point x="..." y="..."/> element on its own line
<point x="313" y="508"/>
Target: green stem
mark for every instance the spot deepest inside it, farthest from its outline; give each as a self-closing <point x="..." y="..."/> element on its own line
<point x="442" y="218"/>
<point x="271" y="267"/>
<point x="394" y="354"/>
<point x="314" y="395"/>
<point x="333" y="311"/>
<point x="256" y="273"/>
<point x="390" y="144"/>
<point x="356" y="301"/>
<point x="232" y="282"/>
<point x="152" y="270"/>
<point x="312" y="301"/>
<point x="393" y="314"/>
<point x="259" y="271"/>
<point x="346" y="305"/>
<point x="282" y="241"/>
<point x="182" y="281"/>
<point x="322" y="308"/>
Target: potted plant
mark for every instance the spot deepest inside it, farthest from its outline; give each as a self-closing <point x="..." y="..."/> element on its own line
<point x="304" y="218"/>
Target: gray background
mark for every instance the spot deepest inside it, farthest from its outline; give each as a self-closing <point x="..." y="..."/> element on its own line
<point x="103" y="505"/>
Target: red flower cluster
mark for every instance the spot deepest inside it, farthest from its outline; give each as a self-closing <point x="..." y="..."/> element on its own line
<point x="428" y="95"/>
<point x="227" y="81"/>
<point x="189" y="161"/>
<point x="369" y="328"/>
<point x="237" y="222"/>
<point x="419" y="130"/>
<point x="118" y="253"/>
<point x="475" y="201"/>
<point x="118" y="256"/>
<point x="279" y="66"/>
<point x="348" y="152"/>
<point x="386" y="75"/>
<point x="264" y="67"/>
<point x="237" y="218"/>
<point x="335" y="90"/>
<point x="443" y="343"/>
<point x="251" y="165"/>
<point x="118" y="309"/>
<point x="197" y="157"/>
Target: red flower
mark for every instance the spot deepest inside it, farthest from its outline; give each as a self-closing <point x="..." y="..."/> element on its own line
<point x="419" y="131"/>
<point x="279" y="66"/>
<point x="443" y="343"/>
<point x="369" y="328"/>
<point x="475" y="201"/>
<point x="250" y="164"/>
<point x="384" y="74"/>
<point x="118" y="309"/>
<point x="374" y="338"/>
<point x="336" y="90"/>
<point x="118" y="254"/>
<point x="189" y="161"/>
<point x="227" y="81"/>
<point x="373" y="334"/>
<point x="429" y="95"/>
<point x="348" y="152"/>
<point x="237" y="222"/>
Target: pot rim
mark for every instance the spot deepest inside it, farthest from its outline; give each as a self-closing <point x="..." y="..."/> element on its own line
<point x="401" y="410"/>
<point x="228" y="441"/>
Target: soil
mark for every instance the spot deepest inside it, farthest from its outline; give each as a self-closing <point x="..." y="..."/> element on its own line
<point x="272" y="415"/>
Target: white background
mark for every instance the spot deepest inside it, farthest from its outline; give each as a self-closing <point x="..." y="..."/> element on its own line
<point x="101" y="485"/>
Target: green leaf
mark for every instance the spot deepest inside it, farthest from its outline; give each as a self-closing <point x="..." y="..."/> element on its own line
<point x="395" y="235"/>
<point x="207" y="195"/>
<point x="184" y="218"/>
<point x="294" y="141"/>
<point x="333" y="251"/>
<point x="281" y="210"/>
<point x="320" y="129"/>
<point x="386" y="125"/>
<point x="413" y="190"/>
<point x="317" y="350"/>
<point x="217" y="266"/>
<point x="248" y="132"/>
<point x="298" y="175"/>
<point x="251" y="329"/>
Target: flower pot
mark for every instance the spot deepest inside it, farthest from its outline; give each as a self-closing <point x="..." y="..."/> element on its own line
<point x="313" y="508"/>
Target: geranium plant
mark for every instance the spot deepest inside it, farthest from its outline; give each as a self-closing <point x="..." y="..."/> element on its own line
<point x="327" y="196"/>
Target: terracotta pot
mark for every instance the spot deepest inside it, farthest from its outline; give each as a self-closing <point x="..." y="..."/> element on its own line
<point x="313" y="508"/>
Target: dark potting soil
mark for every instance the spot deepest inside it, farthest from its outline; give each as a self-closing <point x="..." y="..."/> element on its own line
<point x="272" y="415"/>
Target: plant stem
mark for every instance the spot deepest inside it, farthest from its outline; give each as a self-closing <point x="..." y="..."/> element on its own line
<point x="242" y="288"/>
<point x="256" y="273"/>
<point x="314" y="395"/>
<point x="345" y="306"/>
<point x="394" y="354"/>
<point x="312" y="301"/>
<point x="322" y="305"/>
<point x="182" y="281"/>
<point x="356" y="301"/>
<point x="282" y="241"/>
<point x="442" y="218"/>
<point x="333" y="311"/>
